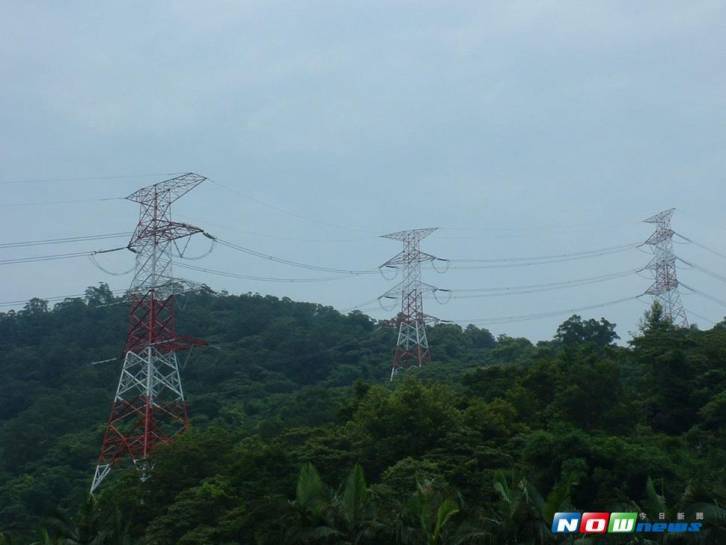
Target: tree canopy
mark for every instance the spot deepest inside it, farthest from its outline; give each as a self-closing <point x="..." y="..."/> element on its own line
<point x="299" y="438"/>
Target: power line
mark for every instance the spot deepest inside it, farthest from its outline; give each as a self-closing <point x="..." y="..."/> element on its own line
<point x="51" y="299"/>
<point x="55" y="257"/>
<point x="258" y="234"/>
<point x="257" y="278"/>
<point x="37" y="259"/>
<point x="360" y="306"/>
<point x="292" y="263"/>
<point x="537" y="228"/>
<point x="715" y="252"/>
<point x="44" y="203"/>
<point x="703" y="269"/>
<point x="532" y="288"/>
<point x="286" y="211"/>
<point x="705" y="295"/>
<point x="540" y="315"/>
<point x="84" y="178"/>
<point x="690" y="312"/>
<point x="583" y="254"/>
<point x="81" y="238"/>
<point x="507" y="263"/>
<point x="101" y="268"/>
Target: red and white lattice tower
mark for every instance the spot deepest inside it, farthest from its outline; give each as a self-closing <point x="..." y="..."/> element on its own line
<point x="412" y="346"/>
<point x="665" y="286"/>
<point x="149" y="408"/>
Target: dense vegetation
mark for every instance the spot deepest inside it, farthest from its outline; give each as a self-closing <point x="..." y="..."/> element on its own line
<point x="298" y="438"/>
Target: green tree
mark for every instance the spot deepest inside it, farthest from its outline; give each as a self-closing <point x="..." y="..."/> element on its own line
<point x="576" y="331"/>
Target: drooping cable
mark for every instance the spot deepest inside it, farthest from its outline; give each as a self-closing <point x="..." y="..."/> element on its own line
<point x="705" y="295"/>
<point x="53" y="298"/>
<point x="37" y="259"/>
<point x="537" y="288"/>
<point x="71" y="201"/>
<point x="506" y="263"/>
<point x="55" y="257"/>
<point x="241" y="276"/>
<point x="290" y="262"/>
<point x="86" y="178"/>
<point x="359" y="306"/>
<point x="100" y="267"/>
<point x="691" y="313"/>
<point x="540" y="315"/>
<point x="182" y="253"/>
<point x="30" y="243"/>
<point x="708" y="249"/>
<point x="286" y="211"/>
<point x="571" y="255"/>
<point x="703" y="269"/>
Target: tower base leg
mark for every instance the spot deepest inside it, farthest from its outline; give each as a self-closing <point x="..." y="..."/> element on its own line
<point x="102" y="471"/>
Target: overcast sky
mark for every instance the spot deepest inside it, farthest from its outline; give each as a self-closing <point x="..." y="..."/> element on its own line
<point x="518" y="128"/>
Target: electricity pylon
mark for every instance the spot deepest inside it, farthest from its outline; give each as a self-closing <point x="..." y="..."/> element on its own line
<point x="665" y="286"/>
<point x="412" y="346"/>
<point x="149" y="408"/>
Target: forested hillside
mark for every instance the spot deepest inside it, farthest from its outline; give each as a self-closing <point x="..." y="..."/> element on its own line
<point x="298" y="437"/>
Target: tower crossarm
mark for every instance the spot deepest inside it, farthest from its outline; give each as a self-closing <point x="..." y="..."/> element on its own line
<point x="402" y="259"/>
<point x="168" y="191"/>
<point x="161" y="231"/>
<point x="412" y="234"/>
<point x="658" y="262"/>
<point x="399" y="290"/>
<point x="661" y="235"/>
<point x="663" y="217"/>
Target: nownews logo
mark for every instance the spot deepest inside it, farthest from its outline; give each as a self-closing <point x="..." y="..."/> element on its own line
<point x="619" y="523"/>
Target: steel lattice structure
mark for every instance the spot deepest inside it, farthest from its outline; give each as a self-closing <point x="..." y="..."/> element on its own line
<point x="663" y="264"/>
<point x="412" y="346"/>
<point x="149" y="406"/>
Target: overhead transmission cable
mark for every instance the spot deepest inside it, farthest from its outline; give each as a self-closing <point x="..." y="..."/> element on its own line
<point x="56" y="298"/>
<point x="290" y="262"/>
<point x="584" y="253"/>
<point x="71" y="201"/>
<point x="703" y="269"/>
<point x="705" y="295"/>
<point x="85" y="178"/>
<point x="53" y="298"/>
<point x="64" y="240"/>
<point x="40" y="258"/>
<point x="361" y="306"/>
<point x="540" y="315"/>
<point x="257" y="278"/>
<point x="707" y="248"/>
<point x="537" y="288"/>
<point x="690" y="312"/>
<point x="55" y="257"/>
<point x="286" y="211"/>
<point x="512" y="262"/>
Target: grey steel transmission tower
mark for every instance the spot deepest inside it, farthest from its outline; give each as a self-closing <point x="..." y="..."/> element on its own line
<point x="663" y="264"/>
<point x="412" y="346"/>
